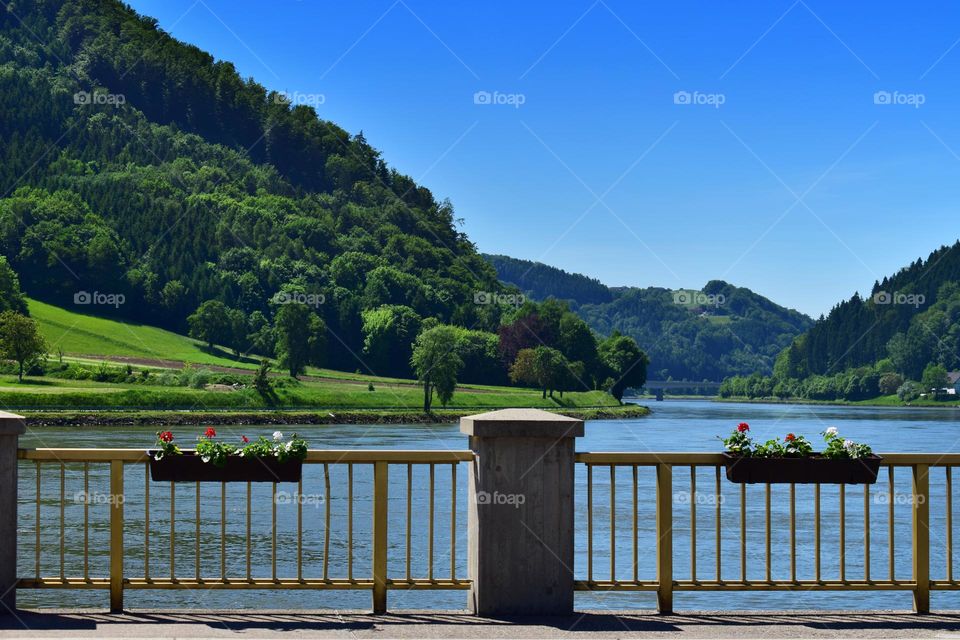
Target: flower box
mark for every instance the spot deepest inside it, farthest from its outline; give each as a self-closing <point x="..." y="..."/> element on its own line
<point x="190" y="467"/>
<point x="814" y="469"/>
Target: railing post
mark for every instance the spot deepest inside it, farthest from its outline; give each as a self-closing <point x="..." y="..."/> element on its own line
<point x="520" y="512"/>
<point x="921" y="538"/>
<point x="380" y="485"/>
<point x="11" y="427"/>
<point x="116" y="536"/>
<point x="664" y="538"/>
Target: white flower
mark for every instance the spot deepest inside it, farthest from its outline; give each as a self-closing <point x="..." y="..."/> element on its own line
<point x="289" y="446"/>
<point x="205" y="458"/>
<point x="277" y="436"/>
<point x="831" y="431"/>
<point x="849" y="445"/>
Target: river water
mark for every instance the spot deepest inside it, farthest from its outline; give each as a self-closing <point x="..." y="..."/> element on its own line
<point x="673" y="426"/>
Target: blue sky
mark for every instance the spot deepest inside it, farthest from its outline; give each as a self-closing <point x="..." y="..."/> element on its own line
<point x="780" y="168"/>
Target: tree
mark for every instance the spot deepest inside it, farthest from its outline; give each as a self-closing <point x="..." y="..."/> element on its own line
<point x="542" y="367"/>
<point x="625" y="362"/>
<point x="11" y="298"/>
<point x="389" y="332"/>
<point x="436" y="363"/>
<point x="301" y="338"/>
<point x="934" y="378"/>
<point x="210" y="323"/>
<point x="20" y="340"/>
<point x="889" y="383"/>
<point x="238" y="341"/>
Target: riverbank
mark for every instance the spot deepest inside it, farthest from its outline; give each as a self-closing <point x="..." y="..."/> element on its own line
<point x="883" y="401"/>
<point x="295" y="417"/>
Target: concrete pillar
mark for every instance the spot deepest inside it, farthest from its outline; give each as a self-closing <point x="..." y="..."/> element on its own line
<point x="521" y="512"/>
<point x="11" y="427"/>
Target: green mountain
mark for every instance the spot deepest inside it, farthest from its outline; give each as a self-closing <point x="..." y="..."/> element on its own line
<point x="135" y="166"/>
<point x="708" y="334"/>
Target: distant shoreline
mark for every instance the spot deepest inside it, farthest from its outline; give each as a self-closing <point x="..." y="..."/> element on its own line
<point x="178" y="418"/>
<point x="841" y="403"/>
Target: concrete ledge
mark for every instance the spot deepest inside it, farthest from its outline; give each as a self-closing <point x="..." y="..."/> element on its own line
<point x="456" y="624"/>
<point x="11" y="424"/>
<point x="521" y="423"/>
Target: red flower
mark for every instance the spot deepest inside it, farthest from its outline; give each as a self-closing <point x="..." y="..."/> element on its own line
<point x="211" y="433"/>
<point x="743" y="426"/>
<point x="790" y="437"/>
<point x="245" y="439"/>
<point x="166" y="436"/>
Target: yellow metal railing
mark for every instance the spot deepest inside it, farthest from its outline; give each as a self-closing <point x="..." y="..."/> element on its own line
<point x="117" y="576"/>
<point x="674" y="470"/>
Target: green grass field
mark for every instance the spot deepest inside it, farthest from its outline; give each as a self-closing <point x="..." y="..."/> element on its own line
<point x="90" y="340"/>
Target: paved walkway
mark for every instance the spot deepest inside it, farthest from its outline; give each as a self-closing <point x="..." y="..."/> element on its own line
<point x="263" y="624"/>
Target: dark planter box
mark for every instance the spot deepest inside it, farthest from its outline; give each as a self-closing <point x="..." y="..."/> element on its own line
<point x="191" y="468"/>
<point x="813" y="469"/>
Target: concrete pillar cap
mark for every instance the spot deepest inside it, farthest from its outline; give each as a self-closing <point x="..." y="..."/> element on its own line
<point x="521" y="423"/>
<point x="11" y="424"/>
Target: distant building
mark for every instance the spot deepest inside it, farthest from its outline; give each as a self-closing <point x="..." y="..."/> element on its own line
<point x="953" y="382"/>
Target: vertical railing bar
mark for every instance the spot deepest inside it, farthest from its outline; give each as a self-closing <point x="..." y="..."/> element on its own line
<point x="843" y="533"/>
<point x="409" y="515"/>
<point x="116" y="535"/>
<point x="37" y="524"/>
<point x="949" y="471"/>
<point x="453" y="521"/>
<point x="273" y="536"/>
<point x="866" y="532"/>
<point x="921" y="538"/>
<point x="381" y="485"/>
<point x="719" y="500"/>
<point x="326" y="524"/>
<point x="743" y="532"/>
<point x="636" y="526"/>
<point x="816" y="530"/>
<point x="350" y="521"/>
<point x="767" y="535"/>
<point x="589" y="523"/>
<point x="793" y="532"/>
<point x="664" y="525"/>
<point x="86" y="521"/>
<point x="613" y="523"/>
<point x="223" y="531"/>
<point x="197" y="536"/>
<point x="693" y="523"/>
<point x="249" y="531"/>
<point x="890" y="523"/>
<point x="300" y="530"/>
<point x="146" y="522"/>
<point x="63" y="521"/>
<point x="430" y="524"/>
<point x="173" y="530"/>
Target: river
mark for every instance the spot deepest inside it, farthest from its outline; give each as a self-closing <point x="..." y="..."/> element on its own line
<point x="673" y="426"/>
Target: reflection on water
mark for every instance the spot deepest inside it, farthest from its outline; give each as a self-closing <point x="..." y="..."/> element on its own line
<point x="674" y="426"/>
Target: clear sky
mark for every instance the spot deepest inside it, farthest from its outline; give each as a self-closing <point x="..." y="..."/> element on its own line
<point x="780" y="168"/>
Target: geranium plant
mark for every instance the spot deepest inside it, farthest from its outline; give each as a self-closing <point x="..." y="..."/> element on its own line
<point x="165" y="445"/>
<point x="740" y="443"/>
<point x="840" y="448"/>
<point x="293" y="449"/>
<point x="217" y="452"/>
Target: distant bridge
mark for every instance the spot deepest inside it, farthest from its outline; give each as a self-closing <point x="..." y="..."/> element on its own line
<point x="657" y="387"/>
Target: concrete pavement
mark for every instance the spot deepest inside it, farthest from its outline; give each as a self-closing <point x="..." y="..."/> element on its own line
<point x="135" y="625"/>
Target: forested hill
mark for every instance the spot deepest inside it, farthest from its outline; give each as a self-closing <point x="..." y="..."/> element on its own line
<point x="719" y="331"/>
<point x="540" y="281"/>
<point x="912" y="317"/>
<point x="134" y="164"/>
